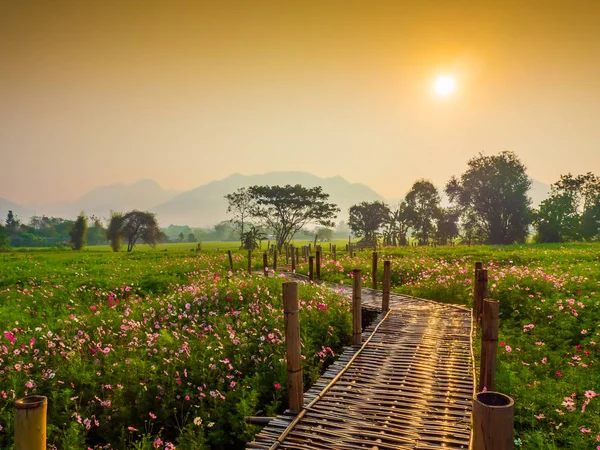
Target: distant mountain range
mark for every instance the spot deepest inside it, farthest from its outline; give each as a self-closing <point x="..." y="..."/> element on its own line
<point x="205" y="205"/>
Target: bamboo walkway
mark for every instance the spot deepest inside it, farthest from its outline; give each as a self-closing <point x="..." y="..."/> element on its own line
<point x="409" y="386"/>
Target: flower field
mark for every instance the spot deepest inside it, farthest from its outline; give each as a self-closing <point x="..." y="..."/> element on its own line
<point x="149" y="351"/>
<point x="549" y="355"/>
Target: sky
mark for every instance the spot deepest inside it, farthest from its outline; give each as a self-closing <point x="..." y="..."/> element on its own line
<point x="100" y="92"/>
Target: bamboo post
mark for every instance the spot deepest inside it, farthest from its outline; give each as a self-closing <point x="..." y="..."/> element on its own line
<point x="330" y="247"/>
<point x="230" y="260"/>
<point x="374" y="271"/>
<point x="493" y="421"/>
<point x="287" y="253"/>
<point x="482" y="283"/>
<point x="294" y="258"/>
<point x="266" y="264"/>
<point x="275" y="259"/>
<point x="335" y="252"/>
<point x="318" y="264"/>
<point x="292" y="344"/>
<point x="478" y="267"/>
<point x="489" y="345"/>
<point x="356" y="306"/>
<point x="309" y="249"/>
<point x="387" y="275"/>
<point x="30" y="423"/>
<point x="249" y="262"/>
<point x="311" y="263"/>
<point x="297" y="255"/>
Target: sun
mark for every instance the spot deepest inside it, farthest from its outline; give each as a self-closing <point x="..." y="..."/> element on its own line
<point x="444" y="85"/>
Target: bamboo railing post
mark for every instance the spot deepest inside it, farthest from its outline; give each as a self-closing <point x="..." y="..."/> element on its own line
<point x="318" y="264"/>
<point x="311" y="263"/>
<point x="287" y="253"/>
<point x="266" y="264"/>
<point x="489" y="345"/>
<point x="374" y="270"/>
<point x="478" y="267"/>
<point x="249" y="262"/>
<point x="292" y="344"/>
<point x="30" y="423"/>
<point x="493" y="421"/>
<point x="297" y="255"/>
<point x="482" y="284"/>
<point x="275" y="260"/>
<point x="335" y="252"/>
<point x="387" y="275"/>
<point x="230" y="260"/>
<point x="294" y="257"/>
<point x="356" y="307"/>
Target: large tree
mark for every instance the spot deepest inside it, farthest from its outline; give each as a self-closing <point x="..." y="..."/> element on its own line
<point x="78" y="232"/>
<point x="366" y="218"/>
<point x="492" y="196"/>
<point x="114" y="233"/>
<point x="572" y="211"/>
<point x="4" y="240"/>
<point x="286" y="209"/>
<point x="396" y="226"/>
<point x="140" y="226"/>
<point x="423" y="208"/>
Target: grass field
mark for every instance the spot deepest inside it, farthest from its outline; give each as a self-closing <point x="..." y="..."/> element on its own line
<point x="158" y="348"/>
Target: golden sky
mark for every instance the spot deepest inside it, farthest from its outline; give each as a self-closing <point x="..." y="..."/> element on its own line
<point x="98" y="92"/>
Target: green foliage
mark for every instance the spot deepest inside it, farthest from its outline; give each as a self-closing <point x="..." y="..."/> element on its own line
<point x="240" y="205"/>
<point x="422" y="209"/>
<point x="79" y="232"/>
<point x="4" y="239"/>
<point x="286" y="209"/>
<point x="492" y="198"/>
<point x="113" y="233"/>
<point x="366" y="218"/>
<point x="140" y="226"/>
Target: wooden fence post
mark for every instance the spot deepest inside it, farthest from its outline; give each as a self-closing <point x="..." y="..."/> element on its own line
<point x="266" y="264"/>
<point x="292" y="344"/>
<point x="482" y="283"/>
<point x="493" y="421"/>
<point x="230" y="260"/>
<point x="311" y="263"/>
<point x="387" y="275"/>
<point x="30" y="423"/>
<point x="356" y="307"/>
<point x="335" y="252"/>
<point x="287" y="253"/>
<point x="275" y="260"/>
<point x="297" y="255"/>
<point x="489" y="345"/>
<point x="319" y="264"/>
<point x="294" y="257"/>
<point x="374" y="270"/>
<point x="249" y="262"/>
<point x="478" y="267"/>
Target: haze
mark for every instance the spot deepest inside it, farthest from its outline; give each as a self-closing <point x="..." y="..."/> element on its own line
<point x="94" y="93"/>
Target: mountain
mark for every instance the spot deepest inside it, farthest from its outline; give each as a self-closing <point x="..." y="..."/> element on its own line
<point x="141" y="195"/>
<point x="206" y="205"/>
<point x="21" y="212"/>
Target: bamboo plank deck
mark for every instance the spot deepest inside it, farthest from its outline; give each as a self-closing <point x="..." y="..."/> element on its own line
<point x="409" y="387"/>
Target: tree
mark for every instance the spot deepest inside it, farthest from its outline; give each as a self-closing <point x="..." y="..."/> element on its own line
<point x="286" y="209"/>
<point x="78" y="232"/>
<point x="252" y="237"/>
<point x="422" y="209"/>
<point x="114" y="232"/>
<point x="323" y="234"/>
<point x="366" y="218"/>
<point x="447" y="225"/>
<point x="181" y="237"/>
<point x="140" y="226"/>
<point x="192" y="238"/>
<point x="4" y="240"/>
<point x="96" y="233"/>
<point x="396" y="226"/>
<point x="240" y="205"/>
<point x="12" y="223"/>
<point x="492" y="197"/>
<point x="572" y="211"/>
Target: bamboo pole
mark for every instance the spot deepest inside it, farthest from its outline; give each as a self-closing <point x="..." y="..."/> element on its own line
<point x="493" y="421"/>
<point x="249" y="262"/>
<point x="230" y="260"/>
<point x="275" y="260"/>
<point x="318" y="263"/>
<point x="287" y="253"/>
<point x="356" y="306"/>
<point x="489" y="345"/>
<point x="478" y="267"/>
<point x="482" y="283"/>
<point x="335" y="252"/>
<point x="30" y="423"/>
<point x="260" y="421"/>
<point x="266" y="264"/>
<point x="294" y="255"/>
<point x="311" y="263"/>
<point x="297" y="255"/>
<point x="292" y="344"/>
<point x="374" y="270"/>
<point x="387" y="275"/>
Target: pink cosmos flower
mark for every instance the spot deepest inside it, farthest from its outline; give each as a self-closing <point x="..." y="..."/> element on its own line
<point x="277" y="386"/>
